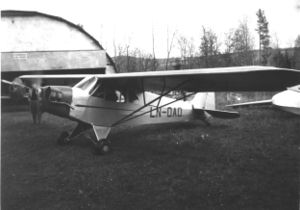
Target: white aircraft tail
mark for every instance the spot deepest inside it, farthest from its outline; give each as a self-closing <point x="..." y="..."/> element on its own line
<point x="204" y="106"/>
<point x="204" y="101"/>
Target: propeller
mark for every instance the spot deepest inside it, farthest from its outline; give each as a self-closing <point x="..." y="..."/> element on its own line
<point x="53" y="99"/>
<point x="18" y="91"/>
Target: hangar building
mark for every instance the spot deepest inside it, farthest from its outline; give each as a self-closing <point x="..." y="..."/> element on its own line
<point x="35" y="42"/>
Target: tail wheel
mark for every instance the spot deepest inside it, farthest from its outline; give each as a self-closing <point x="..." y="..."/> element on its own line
<point x="63" y="139"/>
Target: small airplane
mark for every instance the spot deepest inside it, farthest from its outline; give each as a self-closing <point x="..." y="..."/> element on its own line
<point x="288" y="100"/>
<point x="103" y="101"/>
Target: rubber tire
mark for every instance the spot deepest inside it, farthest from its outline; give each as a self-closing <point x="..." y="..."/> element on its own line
<point x="63" y="138"/>
<point x="102" y="147"/>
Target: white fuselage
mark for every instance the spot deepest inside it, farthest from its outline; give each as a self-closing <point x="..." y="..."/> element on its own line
<point x="100" y="112"/>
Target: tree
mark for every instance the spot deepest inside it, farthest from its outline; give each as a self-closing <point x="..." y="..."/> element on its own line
<point x="209" y="46"/>
<point x="125" y="60"/>
<point x="274" y="42"/>
<point x="229" y="41"/>
<point x="187" y="51"/>
<point x="183" y="47"/>
<point x="145" y="61"/>
<point x="297" y="41"/>
<point x="241" y="44"/>
<point x="264" y="37"/>
<point x="154" y="63"/>
<point x="191" y="53"/>
<point x="169" y="46"/>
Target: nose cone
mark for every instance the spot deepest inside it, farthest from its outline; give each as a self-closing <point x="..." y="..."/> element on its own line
<point x="288" y="100"/>
<point x="57" y="100"/>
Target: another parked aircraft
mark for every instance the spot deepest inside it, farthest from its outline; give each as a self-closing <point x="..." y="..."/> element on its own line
<point x="288" y="100"/>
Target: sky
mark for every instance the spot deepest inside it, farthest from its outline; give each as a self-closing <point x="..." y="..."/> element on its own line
<point x="132" y="22"/>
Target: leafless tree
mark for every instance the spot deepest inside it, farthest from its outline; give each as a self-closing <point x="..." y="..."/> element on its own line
<point x="209" y="46"/>
<point x="124" y="60"/>
<point x="275" y="41"/>
<point x="183" y="48"/>
<point x="242" y="44"/>
<point x="187" y="51"/>
<point x="154" y="63"/>
<point x="169" y="45"/>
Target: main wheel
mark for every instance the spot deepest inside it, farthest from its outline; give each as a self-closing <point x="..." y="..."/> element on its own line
<point x="63" y="139"/>
<point x="102" y="147"/>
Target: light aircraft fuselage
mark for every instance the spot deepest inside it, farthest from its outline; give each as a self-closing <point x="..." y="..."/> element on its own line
<point x="101" y="102"/>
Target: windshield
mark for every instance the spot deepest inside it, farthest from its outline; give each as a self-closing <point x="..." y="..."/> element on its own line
<point x="86" y="83"/>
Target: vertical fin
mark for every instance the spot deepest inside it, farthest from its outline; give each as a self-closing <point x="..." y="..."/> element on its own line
<point x="204" y="100"/>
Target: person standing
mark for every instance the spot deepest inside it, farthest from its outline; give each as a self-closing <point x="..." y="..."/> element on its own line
<point x="35" y="106"/>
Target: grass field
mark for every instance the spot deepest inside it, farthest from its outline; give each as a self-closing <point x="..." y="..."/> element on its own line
<point x="247" y="163"/>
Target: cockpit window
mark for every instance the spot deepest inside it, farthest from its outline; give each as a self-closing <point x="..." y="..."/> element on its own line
<point x="111" y="94"/>
<point x="107" y="93"/>
<point x="86" y="83"/>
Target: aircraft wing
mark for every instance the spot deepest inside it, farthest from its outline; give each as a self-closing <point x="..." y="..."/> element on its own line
<point x="262" y="102"/>
<point x="246" y="78"/>
<point x="13" y="83"/>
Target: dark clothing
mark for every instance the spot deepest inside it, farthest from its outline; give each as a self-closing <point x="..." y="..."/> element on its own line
<point x="35" y="107"/>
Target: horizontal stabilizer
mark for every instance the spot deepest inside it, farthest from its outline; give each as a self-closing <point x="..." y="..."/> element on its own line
<point x="252" y="103"/>
<point x="218" y="113"/>
<point x="5" y="97"/>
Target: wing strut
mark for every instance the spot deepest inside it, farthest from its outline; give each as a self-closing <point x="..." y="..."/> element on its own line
<point x="127" y="117"/>
<point x="162" y="91"/>
<point x="136" y="116"/>
<point x="143" y="89"/>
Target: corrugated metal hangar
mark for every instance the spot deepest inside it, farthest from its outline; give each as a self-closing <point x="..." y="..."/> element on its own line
<point x="35" y="42"/>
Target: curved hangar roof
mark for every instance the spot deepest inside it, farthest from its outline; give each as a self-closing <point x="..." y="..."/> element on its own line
<point x="33" y="41"/>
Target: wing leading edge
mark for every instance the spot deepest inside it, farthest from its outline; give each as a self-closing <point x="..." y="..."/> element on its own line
<point x="246" y="78"/>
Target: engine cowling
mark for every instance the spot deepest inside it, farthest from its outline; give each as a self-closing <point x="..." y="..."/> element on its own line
<point x="57" y="100"/>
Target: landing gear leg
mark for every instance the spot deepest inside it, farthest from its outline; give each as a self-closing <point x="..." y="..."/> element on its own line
<point x="65" y="137"/>
<point x="206" y="118"/>
<point x="207" y="123"/>
<point x="102" y="145"/>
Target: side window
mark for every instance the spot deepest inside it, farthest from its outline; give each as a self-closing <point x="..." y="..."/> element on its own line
<point x="120" y="96"/>
<point x="107" y="93"/>
<point x="131" y="97"/>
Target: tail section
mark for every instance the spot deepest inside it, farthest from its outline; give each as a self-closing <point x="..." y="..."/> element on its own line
<point x="204" y="100"/>
<point x="204" y="107"/>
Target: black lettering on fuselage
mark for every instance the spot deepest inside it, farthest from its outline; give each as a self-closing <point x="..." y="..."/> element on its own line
<point x="158" y="112"/>
<point x="155" y="112"/>
<point x="179" y="112"/>
<point x="174" y="112"/>
<point x="170" y="112"/>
